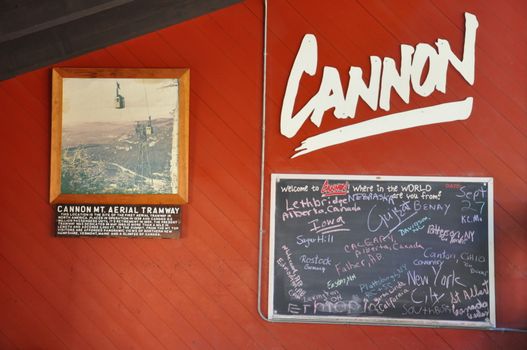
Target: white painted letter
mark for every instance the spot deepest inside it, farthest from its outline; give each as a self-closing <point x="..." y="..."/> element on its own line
<point x="400" y="82"/>
<point x="357" y="88"/>
<point x="305" y="62"/>
<point x="329" y="95"/>
<point x="465" y="67"/>
<point x="423" y="53"/>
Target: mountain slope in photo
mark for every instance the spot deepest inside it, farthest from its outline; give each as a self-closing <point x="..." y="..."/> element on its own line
<point x="118" y="158"/>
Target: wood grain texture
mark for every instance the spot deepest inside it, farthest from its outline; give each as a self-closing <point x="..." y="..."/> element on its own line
<point x="199" y="292"/>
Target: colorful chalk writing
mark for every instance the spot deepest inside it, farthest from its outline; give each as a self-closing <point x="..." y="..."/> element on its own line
<point x="394" y="249"/>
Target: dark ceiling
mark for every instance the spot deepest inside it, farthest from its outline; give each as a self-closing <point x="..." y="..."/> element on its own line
<point x="37" y="33"/>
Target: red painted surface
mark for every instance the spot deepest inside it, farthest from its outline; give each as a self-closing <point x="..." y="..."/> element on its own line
<point x="200" y="291"/>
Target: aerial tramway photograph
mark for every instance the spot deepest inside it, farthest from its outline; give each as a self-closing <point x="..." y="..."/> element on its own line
<point x="118" y="135"/>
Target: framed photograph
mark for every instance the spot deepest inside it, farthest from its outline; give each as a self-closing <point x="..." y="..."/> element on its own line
<point x="119" y="136"/>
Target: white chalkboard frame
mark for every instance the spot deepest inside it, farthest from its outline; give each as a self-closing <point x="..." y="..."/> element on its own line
<point x="385" y="321"/>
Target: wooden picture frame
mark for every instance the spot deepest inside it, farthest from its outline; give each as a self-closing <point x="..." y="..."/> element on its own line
<point x="119" y="136"/>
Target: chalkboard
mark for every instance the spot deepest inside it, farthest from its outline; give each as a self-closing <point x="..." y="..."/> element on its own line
<point x="382" y="250"/>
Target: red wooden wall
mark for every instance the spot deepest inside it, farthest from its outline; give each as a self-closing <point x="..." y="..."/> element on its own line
<point x="200" y="291"/>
